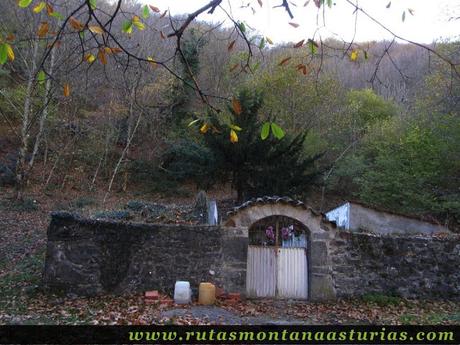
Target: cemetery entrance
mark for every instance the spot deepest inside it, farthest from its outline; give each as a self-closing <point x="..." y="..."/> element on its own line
<point x="277" y="263"/>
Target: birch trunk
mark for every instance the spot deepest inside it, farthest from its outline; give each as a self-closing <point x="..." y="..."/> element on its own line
<point x="44" y="115"/>
<point x="21" y="168"/>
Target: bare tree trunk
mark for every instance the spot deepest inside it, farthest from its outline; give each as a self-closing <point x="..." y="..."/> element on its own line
<point x="122" y="157"/>
<point x="103" y="157"/>
<point x="44" y="115"/>
<point x="21" y="163"/>
<point x="130" y="130"/>
<point x="57" y="161"/>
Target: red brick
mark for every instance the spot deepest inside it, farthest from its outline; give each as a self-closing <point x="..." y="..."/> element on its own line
<point x="152" y="295"/>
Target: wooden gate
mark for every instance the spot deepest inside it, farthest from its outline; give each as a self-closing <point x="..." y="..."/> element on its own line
<point x="277" y="272"/>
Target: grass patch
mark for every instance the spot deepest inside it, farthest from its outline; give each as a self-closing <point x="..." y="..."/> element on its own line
<point x="381" y="299"/>
<point x="21" y="283"/>
<point x="408" y="319"/>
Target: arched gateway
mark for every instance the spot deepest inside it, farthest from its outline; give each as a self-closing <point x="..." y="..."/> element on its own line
<point x="288" y="249"/>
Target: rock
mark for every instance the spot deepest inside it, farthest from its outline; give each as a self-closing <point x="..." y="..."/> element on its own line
<point x="201" y="207"/>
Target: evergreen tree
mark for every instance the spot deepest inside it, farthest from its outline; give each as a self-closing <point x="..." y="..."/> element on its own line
<point x="260" y="167"/>
<point x="234" y="151"/>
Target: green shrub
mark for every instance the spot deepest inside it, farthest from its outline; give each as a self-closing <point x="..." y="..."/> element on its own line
<point x="82" y="202"/>
<point x="115" y="215"/>
<point x="188" y="160"/>
<point x="24" y="205"/>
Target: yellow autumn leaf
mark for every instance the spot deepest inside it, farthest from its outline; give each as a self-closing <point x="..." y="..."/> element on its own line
<point x="90" y="58"/>
<point x="152" y="62"/>
<point x="233" y="136"/>
<point x="137" y="23"/>
<point x="66" y="90"/>
<point x="269" y="40"/>
<point x="354" y="55"/>
<point x="204" y="128"/>
<point x="10" y="52"/>
<point x="39" y="7"/>
<point x="96" y="29"/>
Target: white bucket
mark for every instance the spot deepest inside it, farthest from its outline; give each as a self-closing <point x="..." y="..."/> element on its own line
<point x="182" y="292"/>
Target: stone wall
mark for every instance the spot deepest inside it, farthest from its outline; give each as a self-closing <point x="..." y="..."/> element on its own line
<point x="412" y="267"/>
<point x="91" y="257"/>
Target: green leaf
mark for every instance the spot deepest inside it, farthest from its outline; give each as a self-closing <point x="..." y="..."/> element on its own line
<point x="41" y="77"/>
<point x="92" y="4"/>
<point x="145" y="12"/>
<point x="235" y="127"/>
<point x="40" y="7"/>
<point x="277" y="131"/>
<point x="262" y="43"/>
<point x="82" y="35"/>
<point x="366" y="55"/>
<point x="3" y="53"/>
<point x="265" y="130"/>
<point x="57" y="15"/>
<point x="127" y="26"/>
<point x="329" y="3"/>
<point x="313" y="46"/>
<point x="24" y="3"/>
<point x="242" y="27"/>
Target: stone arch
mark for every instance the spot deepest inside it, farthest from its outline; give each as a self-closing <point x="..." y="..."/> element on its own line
<point x="254" y="210"/>
<point x="321" y="233"/>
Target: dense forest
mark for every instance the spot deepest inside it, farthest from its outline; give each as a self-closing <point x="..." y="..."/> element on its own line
<point x="376" y="122"/>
